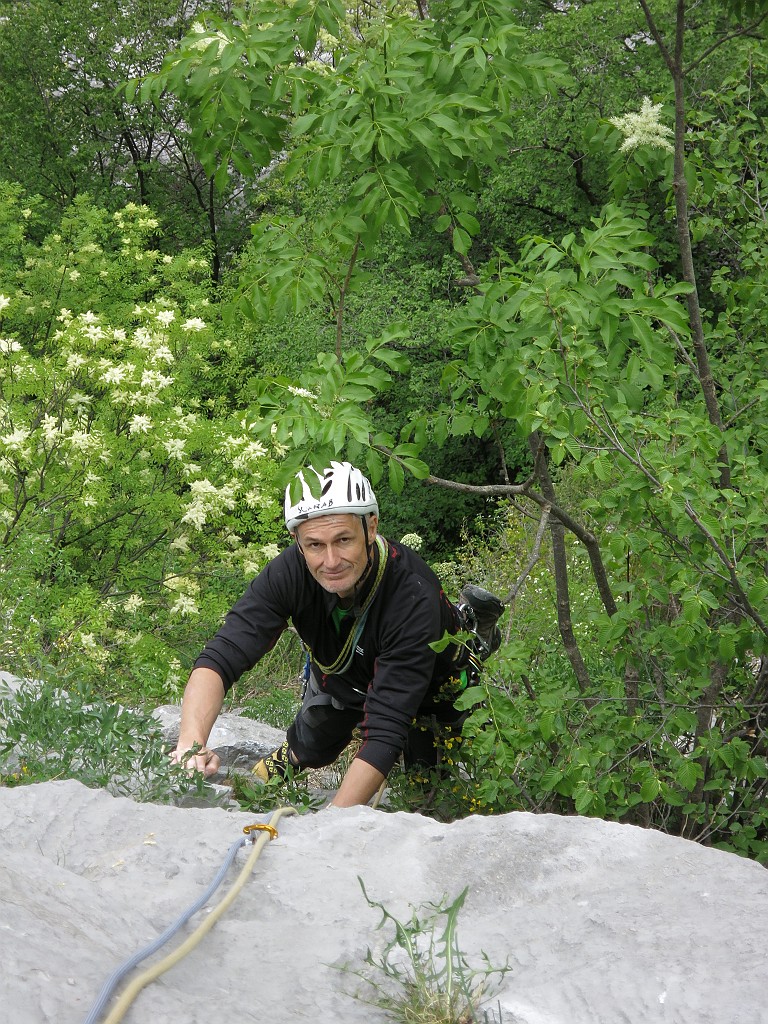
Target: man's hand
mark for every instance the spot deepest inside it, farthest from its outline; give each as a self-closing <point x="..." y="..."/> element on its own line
<point x="200" y="760"/>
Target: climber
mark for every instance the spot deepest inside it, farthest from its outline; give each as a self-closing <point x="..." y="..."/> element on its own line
<point x="367" y="610"/>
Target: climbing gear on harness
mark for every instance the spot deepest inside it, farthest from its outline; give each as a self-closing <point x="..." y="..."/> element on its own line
<point x="275" y="765"/>
<point x="480" y="610"/>
<point x="344" y="659"/>
<point x="343" y="489"/>
<point x="128" y="996"/>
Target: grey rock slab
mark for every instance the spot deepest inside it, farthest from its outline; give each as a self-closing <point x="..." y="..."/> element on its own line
<point x="238" y="741"/>
<point x="601" y="923"/>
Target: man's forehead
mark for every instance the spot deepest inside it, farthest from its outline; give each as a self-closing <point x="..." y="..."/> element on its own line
<point x="324" y="526"/>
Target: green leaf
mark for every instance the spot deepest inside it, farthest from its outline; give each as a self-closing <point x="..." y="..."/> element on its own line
<point x="584" y="797"/>
<point x="461" y="241"/>
<point x="396" y="476"/>
<point x="650" y="789"/>
<point x="688" y="774"/>
<point x="550" y="778"/>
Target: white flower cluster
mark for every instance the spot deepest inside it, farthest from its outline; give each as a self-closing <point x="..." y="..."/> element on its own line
<point x="208" y="500"/>
<point x="244" y="453"/>
<point x="412" y="541"/>
<point x="644" y="128"/>
<point x="186" y="591"/>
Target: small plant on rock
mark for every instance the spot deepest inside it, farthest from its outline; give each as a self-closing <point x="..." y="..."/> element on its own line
<point x="426" y="978"/>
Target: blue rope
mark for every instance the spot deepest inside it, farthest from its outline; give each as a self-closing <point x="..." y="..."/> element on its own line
<point x="113" y="981"/>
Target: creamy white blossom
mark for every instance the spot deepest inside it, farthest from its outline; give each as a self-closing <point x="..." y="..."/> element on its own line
<point x="79" y="402"/>
<point x="252" y="498"/>
<point x="184" y="605"/>
<point x="142" y="338"/>
<point x="82" y="441"/>
<point x="166" y="317"/>
<point x="162" y="354"/>
<point x="153" y="380"/>
<point x="115" y="375"/>
<point x="51" y="429"/>
<point x="139" y="425"/>
<point x="174" y="446"/>
<point x="133" y="603"/>
<point x="413" y="541"/>
<point x="207" y="499"/>
<point x="193" y="324"/>
<point x="76" y="362"/>
<point x="644" y="128"/>
<point x="196" y="515"/>
<point x="4" y="302"/>
<point x="8" y="345"/>
<point x="93" y="332"/>
<point x="15" y="441"/>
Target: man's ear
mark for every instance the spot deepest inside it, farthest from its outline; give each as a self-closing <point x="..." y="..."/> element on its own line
<point x="372" y="526"/>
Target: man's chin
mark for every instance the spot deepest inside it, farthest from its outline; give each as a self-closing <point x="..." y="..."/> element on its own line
<point x="341" y="587"/>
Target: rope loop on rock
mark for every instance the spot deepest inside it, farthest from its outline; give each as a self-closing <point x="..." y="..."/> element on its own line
<point x="268" y="832"/>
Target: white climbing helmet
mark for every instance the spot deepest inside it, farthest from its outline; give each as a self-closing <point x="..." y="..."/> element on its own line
<point x="343" y="489"/>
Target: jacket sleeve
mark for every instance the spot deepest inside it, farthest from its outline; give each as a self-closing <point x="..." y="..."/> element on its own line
<point x="253" y="625"/>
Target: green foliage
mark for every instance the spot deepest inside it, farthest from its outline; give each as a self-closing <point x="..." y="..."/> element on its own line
<point x="546" y="747"/>
<point x="48" y="733"/>
<point x="132" y="512"/>
<point x="427" y="979"/>
<point x="261" y="797"/>
<point x="68" y="127"/>
<point x="403" y="111"/>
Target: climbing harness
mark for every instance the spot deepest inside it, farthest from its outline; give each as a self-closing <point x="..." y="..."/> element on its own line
<point x="344" y="659"/>
<point x="266" y="833"/>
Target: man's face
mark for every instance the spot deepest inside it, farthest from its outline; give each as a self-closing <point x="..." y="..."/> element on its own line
<point x="334" y="550"/>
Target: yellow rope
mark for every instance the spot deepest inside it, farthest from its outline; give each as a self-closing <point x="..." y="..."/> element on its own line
<point x="379" y="795"/>
<point x="142" y="980"/>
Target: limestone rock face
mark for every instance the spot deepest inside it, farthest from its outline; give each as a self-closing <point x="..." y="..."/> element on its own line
<point x="238" y="741"/>
<point x="601" y="923"/>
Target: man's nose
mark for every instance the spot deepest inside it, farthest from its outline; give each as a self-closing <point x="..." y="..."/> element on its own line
<point x="332" y="555"/>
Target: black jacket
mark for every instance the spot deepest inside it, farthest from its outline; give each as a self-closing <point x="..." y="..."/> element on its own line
<point x="393" y="675"/>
